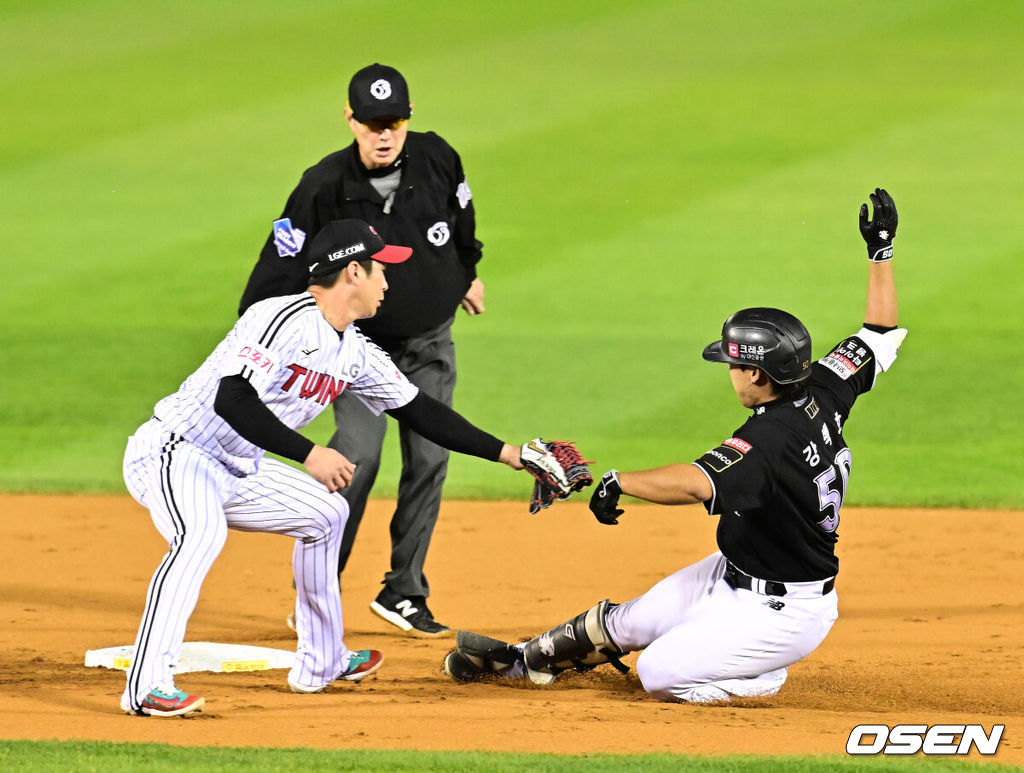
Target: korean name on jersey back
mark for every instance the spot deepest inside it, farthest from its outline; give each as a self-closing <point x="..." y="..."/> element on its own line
<point x="847" y="358"/>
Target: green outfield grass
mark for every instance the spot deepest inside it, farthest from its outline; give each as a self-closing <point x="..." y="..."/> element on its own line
<point x="112" y="758"/>
<point x="640" y="169"/>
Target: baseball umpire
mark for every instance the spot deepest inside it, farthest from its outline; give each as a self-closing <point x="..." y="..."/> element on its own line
<point x="198" y="464"/>
<point x="731" y="624"/>
<point x="411" y="188"/>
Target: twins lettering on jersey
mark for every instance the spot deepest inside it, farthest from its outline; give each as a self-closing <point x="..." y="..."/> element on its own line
<point x="322" y="387"/>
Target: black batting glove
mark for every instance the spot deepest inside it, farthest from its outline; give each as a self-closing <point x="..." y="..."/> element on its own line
<point x="604" y="503"/>
<point x="879" y="232"/>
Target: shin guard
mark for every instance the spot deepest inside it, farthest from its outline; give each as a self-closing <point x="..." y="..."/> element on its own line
<point x="580" y="643"/>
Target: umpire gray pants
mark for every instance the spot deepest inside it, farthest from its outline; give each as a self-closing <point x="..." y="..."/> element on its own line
<point x="428" y="360"/>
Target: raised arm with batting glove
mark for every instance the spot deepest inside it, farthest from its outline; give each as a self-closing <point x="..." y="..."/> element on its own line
<point x="880" y="231"/>
<point x="683" y="483"/>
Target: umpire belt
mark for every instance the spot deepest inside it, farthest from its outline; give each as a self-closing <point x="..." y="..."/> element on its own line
<point x="738" y="580"/>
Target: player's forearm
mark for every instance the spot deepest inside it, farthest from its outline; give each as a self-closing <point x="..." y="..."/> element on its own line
<point x="674" y="484"/>
<point x="440" y="424"/>
<point x="510" y="455"/>
<point x="879" y="232"/>
<point x="881" y="304"/>
<point x="240" y="406"/>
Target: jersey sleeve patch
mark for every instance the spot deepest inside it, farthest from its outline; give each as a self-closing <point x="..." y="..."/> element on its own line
<point x="739" y="444"/>
<point x="847" y="358"/>
<point x="723" y="457"/>
<point x="287" y="238"/>
<point x="463" y="194"/>
<point x="251" y="359"/>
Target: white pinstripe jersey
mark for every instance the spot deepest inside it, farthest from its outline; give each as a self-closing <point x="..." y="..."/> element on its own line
<point x="296" y="362"/>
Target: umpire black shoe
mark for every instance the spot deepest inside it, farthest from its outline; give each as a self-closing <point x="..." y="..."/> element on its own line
<point x="409" y="613"/>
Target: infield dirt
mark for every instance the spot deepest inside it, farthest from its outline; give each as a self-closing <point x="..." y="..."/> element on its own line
<point x="930" y="631"/>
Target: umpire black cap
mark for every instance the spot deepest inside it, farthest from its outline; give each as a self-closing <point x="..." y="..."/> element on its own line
<point x="770" y="339"/>
<point x="377" y="91"/>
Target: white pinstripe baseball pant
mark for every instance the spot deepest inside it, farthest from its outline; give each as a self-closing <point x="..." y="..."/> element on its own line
<point x="193" y="501"/>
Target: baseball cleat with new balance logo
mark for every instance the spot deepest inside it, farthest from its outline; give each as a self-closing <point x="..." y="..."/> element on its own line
<point x="166" y="700"/>
<point x="410" y="614"/>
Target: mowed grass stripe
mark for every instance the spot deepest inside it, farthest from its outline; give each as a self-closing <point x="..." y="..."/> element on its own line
<point x="639" y="173"/>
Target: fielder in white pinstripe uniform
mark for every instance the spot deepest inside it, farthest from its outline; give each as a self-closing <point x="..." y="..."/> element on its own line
<point x="199" y="467"/>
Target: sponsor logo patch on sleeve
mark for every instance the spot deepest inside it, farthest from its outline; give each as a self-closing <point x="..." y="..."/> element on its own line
<point x="739" y="444"/>
<point x="287" y="238"/>
<point x="724" y="456"/>
<point x="847" y="358"/>
<point x="257" y="358"/>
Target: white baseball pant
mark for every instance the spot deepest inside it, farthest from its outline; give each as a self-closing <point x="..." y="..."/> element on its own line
<point x="705" y="641"/>
<point x="193" y="501"/>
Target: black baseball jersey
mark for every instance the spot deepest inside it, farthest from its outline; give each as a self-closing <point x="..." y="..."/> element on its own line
<point x="779" y="481"/>
<point x="432" y="212"/>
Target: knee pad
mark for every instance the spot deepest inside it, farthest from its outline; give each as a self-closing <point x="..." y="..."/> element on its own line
<point x="580" y="643"/>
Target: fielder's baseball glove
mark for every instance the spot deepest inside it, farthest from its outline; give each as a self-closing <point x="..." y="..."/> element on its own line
<point x="543" y="497"/>
<point x="559" y="469"/>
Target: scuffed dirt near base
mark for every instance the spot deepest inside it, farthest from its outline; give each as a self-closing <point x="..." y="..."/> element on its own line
<point x="930" y="631"/>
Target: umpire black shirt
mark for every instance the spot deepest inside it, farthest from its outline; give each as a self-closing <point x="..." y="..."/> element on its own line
<point x="432" y="212"/>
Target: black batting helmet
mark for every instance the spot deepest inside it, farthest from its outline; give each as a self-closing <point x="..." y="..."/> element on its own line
<point x="770" y="339"/>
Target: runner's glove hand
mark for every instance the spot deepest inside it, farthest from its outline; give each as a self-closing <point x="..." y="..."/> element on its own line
<point x="604" y="503"/>
<point x="880" y="232"/>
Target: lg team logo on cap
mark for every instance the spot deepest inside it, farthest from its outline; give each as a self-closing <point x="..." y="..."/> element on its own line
<point x="344" y="253"/>
<point x="380" y="88"/>
<point x="438" y="234"/>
